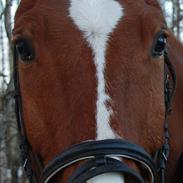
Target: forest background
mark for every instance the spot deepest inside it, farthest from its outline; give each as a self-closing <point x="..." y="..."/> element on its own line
<point x="10" y="161"/>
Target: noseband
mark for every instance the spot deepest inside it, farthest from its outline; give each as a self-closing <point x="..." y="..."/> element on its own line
<point x="98" y="157"/>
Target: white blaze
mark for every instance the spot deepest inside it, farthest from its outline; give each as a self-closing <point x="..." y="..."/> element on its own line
<point x="97" y="20"/>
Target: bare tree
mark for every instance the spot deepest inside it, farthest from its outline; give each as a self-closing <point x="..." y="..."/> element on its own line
<point x="10" y="168"/>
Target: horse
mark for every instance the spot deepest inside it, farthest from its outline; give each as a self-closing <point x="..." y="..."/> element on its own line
<point x="92" y="74"/>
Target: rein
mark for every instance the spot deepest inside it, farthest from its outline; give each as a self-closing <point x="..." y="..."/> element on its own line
<point x="99" y="156"/>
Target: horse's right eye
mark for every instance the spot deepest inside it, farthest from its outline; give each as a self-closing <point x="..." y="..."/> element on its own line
<point x="25" y="50"/>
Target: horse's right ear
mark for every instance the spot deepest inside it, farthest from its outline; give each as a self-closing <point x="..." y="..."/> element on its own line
<point x="153" y="3"/>
<point x="25" y="6"/>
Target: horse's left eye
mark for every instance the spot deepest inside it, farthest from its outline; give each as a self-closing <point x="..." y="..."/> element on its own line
<point x="159" y="45"/>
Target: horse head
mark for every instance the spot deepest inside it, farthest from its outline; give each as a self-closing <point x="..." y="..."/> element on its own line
<point x="91" y="70"/>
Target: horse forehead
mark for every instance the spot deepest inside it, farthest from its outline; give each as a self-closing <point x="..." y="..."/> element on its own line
<point x="58" y="11"/>
<point x="26" y="6"/>
<point x="95" y="16"/>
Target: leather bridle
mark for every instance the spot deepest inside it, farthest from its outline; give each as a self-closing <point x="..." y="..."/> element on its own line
<point x="98" y="157"/>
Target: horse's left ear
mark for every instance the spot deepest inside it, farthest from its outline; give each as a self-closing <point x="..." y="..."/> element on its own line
<point x="154" y="3"/>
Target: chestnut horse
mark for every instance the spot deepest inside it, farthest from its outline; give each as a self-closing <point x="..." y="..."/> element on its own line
<point x="87" y="72"/>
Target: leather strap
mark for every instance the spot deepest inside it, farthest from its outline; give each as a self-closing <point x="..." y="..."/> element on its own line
<point x="94" y="149"/>
<point x="100" y="166"/>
